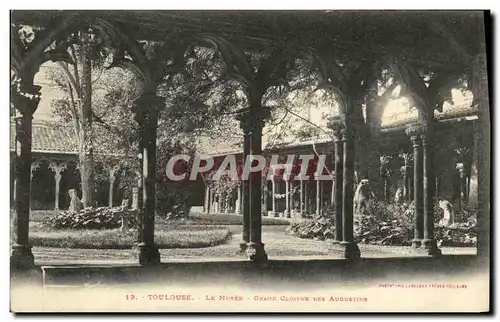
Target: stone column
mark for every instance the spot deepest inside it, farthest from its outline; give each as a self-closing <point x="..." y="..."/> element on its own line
<point x="273" y="182"/>
<point x="34" y="166"/>
<point x="351" y="249"/>
<point x="414" y="133"/>
<point x="148" y="122"/>
<point x="405" y="183"/>
<point x="290" y="212"/>
<point x="25" y="97"/>
<point x="210" y="200"/>
<point x="463" y="185"/>
<point x="245" y="125"/>
<point x="238" y="210"/>
<point x="58" y="168"/>
<point x="332" y="192"/>
<point x="339" y="182"/>
<point x="265" y="196"/>
<point x="306" y="197"/>
<point x="287" y="196"/>
<point x="429" y="241"/>
<point x="255" y="250"/>
<point x="411" y="190"/>
<point x="135" y="198"/>
<point x="302" y="208"/>
<point x="112" y="177"/>
<point x="207" y="199"/>
<point x="318" y="194"/>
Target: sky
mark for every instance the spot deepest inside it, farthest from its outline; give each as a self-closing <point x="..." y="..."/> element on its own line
<point x="49" y="93"/>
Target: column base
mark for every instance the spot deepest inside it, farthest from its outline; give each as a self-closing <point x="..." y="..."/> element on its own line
<point x="416" y="243"/>
<point x="430" y="247"/>
<point x="21" y="257"/>
<point x="148" y="254"/>
<point x="347" y="250"/>
<point x="256" y="252"/>
<point x="243" y="248"/>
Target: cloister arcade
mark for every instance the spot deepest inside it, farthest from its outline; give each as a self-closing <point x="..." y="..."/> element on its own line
<point x="447" y="45"/>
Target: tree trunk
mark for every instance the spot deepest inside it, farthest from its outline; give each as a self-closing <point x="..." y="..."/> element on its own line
<point x="86" y="147"/>
<point x="368" y="153"/>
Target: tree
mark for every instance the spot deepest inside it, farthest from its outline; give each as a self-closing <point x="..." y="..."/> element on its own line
<point x="75" y="78"/>
<point x="106" y="135"/>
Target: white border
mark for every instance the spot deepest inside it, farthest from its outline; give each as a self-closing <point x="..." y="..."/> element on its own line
<point x="189" y="4"/>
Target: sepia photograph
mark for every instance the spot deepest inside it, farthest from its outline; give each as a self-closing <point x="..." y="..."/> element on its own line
<point x="246" y="161"/>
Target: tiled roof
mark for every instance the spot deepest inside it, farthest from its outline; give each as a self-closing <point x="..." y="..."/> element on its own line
<point x="48" y="137"/>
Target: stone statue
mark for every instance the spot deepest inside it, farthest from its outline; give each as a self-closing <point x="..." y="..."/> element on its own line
<point x="361" y="197"/>
<point x="124" y="215"/>
<point x="75" y="204"/>
<point x="399" y="195"/>
<point x="449" y="215"/>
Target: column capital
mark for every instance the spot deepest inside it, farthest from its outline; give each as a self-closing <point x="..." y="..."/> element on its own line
<point x="336" y="125"/>
<point x="112" y="172"/>
<point x="416" y="130"/>
<point x="343" y="134"/>
<point x="35" y="165"/>
<point x="58" y="167"/>
<point x="25" y="97"/>
<point x="407" y="157"/>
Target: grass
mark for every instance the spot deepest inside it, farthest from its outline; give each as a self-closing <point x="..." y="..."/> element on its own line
<point x="41" y="215"/>
<point x="197" y="231"/>
<point x="174" y="237"/>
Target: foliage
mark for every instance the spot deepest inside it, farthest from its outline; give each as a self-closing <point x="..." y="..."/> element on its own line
<point x="320" y="227"/>
<point x="461" y="234"/>
<point x="168" y="237"/>
<point x="386" y="224"/>
<point x="90" y="218"/>
<point x="173" y="198"/>
<point x="390" y="224"/>
<point x="41" y="215"/>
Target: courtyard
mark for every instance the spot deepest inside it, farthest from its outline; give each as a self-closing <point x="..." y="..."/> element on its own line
<point x="279" y="242"/>
<point x="263" y="148"/>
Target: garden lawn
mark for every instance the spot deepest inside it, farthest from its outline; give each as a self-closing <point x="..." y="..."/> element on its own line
<point x="174" y="237"/>
<point x="41" y="215"/>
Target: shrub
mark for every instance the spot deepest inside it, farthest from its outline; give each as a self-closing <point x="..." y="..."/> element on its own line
<point x="386" y="224"/>
<point x="459" y="234"/>
<point x="390" y="224"/>
<point x="320" y="227"/>
<point x="90" y="218"/>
